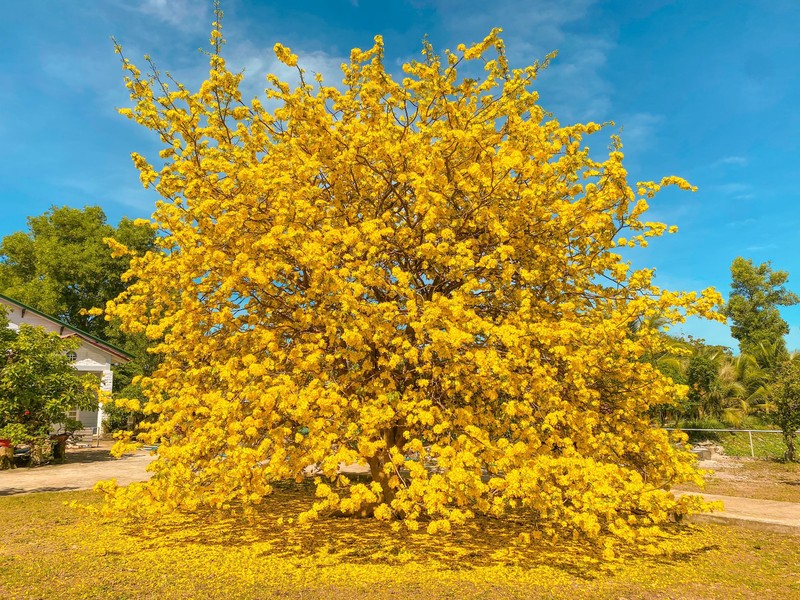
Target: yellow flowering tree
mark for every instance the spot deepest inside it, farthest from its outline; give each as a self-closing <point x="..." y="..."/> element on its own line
<point x="414" y="275"/>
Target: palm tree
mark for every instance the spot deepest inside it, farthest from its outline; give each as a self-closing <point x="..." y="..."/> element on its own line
<point x="757" y="370"/>
<point x="771" y="355"/>
<point x="728" y="394"/>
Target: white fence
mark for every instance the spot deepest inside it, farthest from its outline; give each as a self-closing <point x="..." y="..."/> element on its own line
<point x="756" y="443"/>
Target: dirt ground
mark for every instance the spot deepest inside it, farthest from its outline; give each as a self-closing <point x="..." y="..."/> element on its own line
<point x="750" y="478"/>
<point x="82" y="468"/>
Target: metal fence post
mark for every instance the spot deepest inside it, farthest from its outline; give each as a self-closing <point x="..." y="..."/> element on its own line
<point x="752" y="451"/>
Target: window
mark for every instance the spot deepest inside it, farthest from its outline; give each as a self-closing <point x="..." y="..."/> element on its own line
<point x="71" y="356"/>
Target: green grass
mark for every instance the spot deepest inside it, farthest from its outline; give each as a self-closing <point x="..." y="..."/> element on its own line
<point x="768" y="446"/>
<point x="53" y="551"/>
<point x="765" y="445"/>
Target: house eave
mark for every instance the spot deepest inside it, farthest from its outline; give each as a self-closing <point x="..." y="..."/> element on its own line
<point x="118" y="353"/>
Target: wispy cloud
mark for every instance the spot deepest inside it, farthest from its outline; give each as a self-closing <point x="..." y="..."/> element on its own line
<point x="761" y="247"/>
<point x="639" y="129"/>
<point x="739" y="161"/>
<point x="749" y="222"/>
<point x="737" y="191"/>
<point x="123" y="180"/>
<point x="575" y="88"/>
<point x="184" y="14"/>
<point x="258" y="61"/>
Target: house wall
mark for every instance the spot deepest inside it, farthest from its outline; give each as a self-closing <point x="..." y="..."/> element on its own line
<point x="17" y="316"/>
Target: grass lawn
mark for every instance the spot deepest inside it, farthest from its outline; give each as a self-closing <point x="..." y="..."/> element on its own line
<point x="50" y="550"/>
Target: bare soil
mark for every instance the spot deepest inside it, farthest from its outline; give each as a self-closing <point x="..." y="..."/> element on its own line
<point x="750" y="478"/>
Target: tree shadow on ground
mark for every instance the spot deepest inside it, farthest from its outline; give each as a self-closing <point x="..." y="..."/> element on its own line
<point x="88" y="455"/>
<point x="481" y="542"/>
<point x="74" y="457"/>
<point x="13" y="491"/>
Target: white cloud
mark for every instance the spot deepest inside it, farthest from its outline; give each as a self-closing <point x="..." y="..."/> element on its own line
<point x="118" y="184"/>
<point x="761" y="247"/>
<point x="540" y="20"/>
<point x="257" y="62"/>
<point x="575" y="85"/>
<point x="738" y="191"/>
<point x="184" y="14"/>
<point x="748" y="222"/>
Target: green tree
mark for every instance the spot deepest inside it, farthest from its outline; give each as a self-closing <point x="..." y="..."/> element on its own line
<point x="670" y="358"/>
<point x="756" y="293"/>
<point x="38" y="384"/>
<point x="701" y="375"/>
<point x="62" y="265"/>
<point x="786" y="394"/>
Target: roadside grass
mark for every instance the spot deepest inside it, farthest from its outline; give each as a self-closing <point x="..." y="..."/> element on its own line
<point x="768" y="446"/>
<point x="50" y="550"/>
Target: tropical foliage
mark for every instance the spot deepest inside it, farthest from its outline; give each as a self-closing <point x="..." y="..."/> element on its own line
<point x="756" y="294"/>
<point x="728" y="390"/>
<point x="787" y="404"/>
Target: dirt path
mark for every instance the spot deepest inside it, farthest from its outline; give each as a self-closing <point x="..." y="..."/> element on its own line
<point x="750" y="478"/>
<point x="765" y="515"/>
<point x="83" y="468"/>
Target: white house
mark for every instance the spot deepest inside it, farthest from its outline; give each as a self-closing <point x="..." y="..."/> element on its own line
<point x="93" y="356"/>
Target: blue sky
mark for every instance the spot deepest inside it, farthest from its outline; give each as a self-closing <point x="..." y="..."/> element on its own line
<point x="705" y="90"/>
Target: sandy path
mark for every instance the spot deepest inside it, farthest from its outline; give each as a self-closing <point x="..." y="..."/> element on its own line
<point x="83" y="468"/>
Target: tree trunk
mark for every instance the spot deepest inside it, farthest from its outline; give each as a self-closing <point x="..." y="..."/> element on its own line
<point x="394" y="439"/>
<point x="60" y="445"/>
<point x="376" y="464"/>
<point x="6" y="457"/>
<point x="788" y="438"/>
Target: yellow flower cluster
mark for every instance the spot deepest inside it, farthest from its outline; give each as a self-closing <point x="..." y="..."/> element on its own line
<point x="418" y="277"/>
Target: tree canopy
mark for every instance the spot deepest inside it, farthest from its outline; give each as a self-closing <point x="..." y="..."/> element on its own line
<point x="756" y="293"/>
<point x="417" y="275"/>
<point x="786" y="394"/>
<point x="62" y="266"/>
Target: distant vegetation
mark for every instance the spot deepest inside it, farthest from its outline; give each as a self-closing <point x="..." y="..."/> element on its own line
<point x="751" y="389"/>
